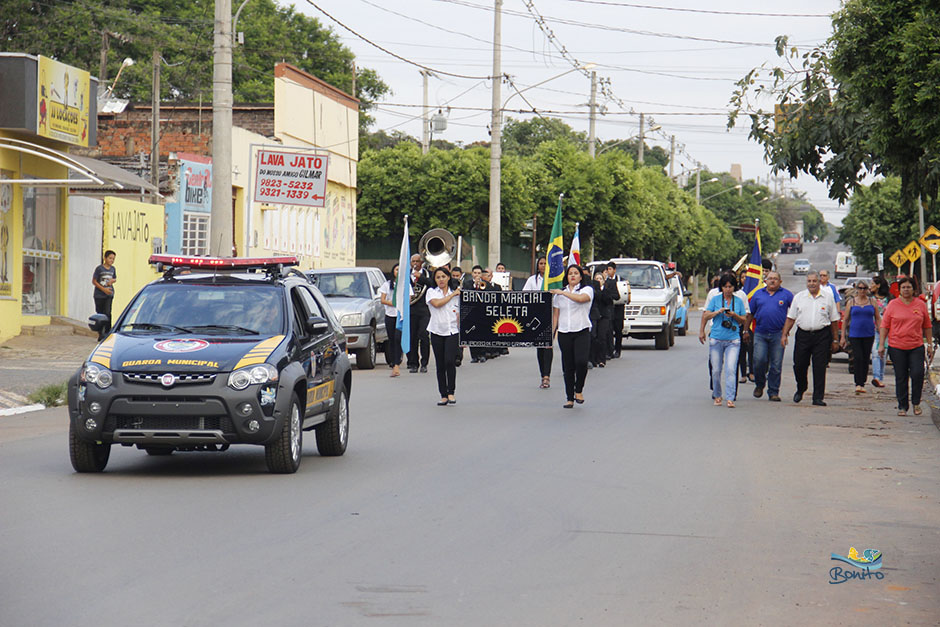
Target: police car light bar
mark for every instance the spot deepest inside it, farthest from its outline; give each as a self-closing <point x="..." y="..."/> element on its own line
<point x="177" y="261"/>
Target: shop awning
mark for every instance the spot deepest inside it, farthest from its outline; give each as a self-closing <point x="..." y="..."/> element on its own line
<point x="85" y="173"/>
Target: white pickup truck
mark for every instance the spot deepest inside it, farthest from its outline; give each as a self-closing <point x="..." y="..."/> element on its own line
<point x="653" y="300"/>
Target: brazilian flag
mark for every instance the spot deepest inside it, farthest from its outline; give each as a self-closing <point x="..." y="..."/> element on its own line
<point x="555" y="262"/>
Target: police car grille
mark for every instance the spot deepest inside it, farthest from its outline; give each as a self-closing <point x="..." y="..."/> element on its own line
<point x="632" y="310"/>
<point x="148" y="377"/>
<point x="174" y="423"/>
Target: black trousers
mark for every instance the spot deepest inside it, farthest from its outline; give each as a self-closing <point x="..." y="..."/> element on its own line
<point x="815" y="347"/>
<point x="746" y="357"/>
<point x="575" y="348"/>
<point x="544" y="356"/>
<point x="908" y="364"/>
<point x="445" y="360"/>
<point x="616" y="327"/>
<point x="602" y="342"/>
<point x="861" y="354"/>
<point x="103" y="306"/>
<point x="393" y="347"/>
<point x="420" y="317"/>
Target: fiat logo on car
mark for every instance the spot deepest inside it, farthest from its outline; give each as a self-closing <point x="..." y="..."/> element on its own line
<point x="168" y="379"/>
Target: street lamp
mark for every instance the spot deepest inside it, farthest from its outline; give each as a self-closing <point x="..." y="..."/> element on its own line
<point x="724" y="191"/>
<point x="496" y="152"/>
<point x="127" y="62"/>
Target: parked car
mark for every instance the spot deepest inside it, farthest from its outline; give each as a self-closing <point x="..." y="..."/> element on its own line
<point x="846" y="265"/>
<point x="654" y="301"/>
<point x="236" y="351"/>
<point x="682" y="312"/>
<point x="353" y="293"/>
<point x="801" y="266"/>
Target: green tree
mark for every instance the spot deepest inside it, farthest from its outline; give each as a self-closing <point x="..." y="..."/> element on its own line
<point x="652" y="155"/>
<point x="864" y="102"/>
<point x="523" y="137"/>
<point x="878" y="221"/>
<point x="182" y="31"/>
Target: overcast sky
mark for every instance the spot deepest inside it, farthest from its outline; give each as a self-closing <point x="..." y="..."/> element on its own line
<point x="678" y="67"/>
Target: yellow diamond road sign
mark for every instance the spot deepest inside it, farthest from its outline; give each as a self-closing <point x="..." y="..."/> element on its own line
<point x="912" y="251"/>
<point x="898" y="258"/>
<point x="931" y="239"/>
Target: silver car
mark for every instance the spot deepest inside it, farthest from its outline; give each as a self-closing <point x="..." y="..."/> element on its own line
<point x="353" y="293"/>
<point x="801" y="266"/>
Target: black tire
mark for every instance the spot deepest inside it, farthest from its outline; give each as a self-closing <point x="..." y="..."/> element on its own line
<point x="283" y="455"/>
<point x="365" y="357"/>
<point x="159" y="451"/>
<point x="87" y="456"/>
<point x="672" y="334"/>
<point x="685" y="325"/>
<point x="662" y="340"/>
<point x="333" y="435"/>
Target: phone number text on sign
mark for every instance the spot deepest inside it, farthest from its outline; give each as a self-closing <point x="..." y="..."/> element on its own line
<point x="291" y="178"/>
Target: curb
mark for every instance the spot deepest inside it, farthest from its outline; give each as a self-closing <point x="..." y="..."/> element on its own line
<point x="13" y="411"/>
<point x="934" y="396"/>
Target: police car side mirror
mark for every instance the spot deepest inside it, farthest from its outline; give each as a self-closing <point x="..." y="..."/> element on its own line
<point x="317" y="325"/>
<point x="97" y="322"/>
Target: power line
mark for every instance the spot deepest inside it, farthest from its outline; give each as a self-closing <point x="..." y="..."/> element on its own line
<point x="707" y="11"/>
<point x="393" y="54"/>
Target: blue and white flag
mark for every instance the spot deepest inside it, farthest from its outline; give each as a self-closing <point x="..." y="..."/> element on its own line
<point x="402" y="297"/>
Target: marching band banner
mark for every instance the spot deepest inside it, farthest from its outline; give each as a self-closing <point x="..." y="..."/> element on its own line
<point x="497" y="318"/>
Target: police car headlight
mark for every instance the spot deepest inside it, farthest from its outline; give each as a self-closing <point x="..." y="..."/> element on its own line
<point x="99" y="375"/>
<point x="242" y="378"/>
<point x="351" y="320"/>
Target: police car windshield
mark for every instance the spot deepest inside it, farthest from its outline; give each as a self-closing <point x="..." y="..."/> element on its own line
<point x="342" y="284"/>
<point x="216" y="309"/>
<point x="641" y="275"/>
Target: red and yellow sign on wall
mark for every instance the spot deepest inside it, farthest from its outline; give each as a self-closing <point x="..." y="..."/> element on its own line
<point x="64" y="102"/>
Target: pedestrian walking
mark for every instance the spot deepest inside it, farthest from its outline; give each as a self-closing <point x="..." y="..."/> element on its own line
<point x="746" y="354"/>
<point x="616" y="322"/>
<point x="601" y="311"/>
<point x="859" y="326"/>
<point x="393" y="345"/>
<point x="769" y="306"/>
<point x="611" y="293"/>
<point x="543" y="355"/>
<point x="420" y="315"/>
<point x="443" y="327"/>
<point x="814" y="314"/>
<point x="880" y="295"/>
<point x="478" y="354"/>
<point x="825" y="284"/>
<point x="103" y="278"/>
<point x="571" y="308"/>
<point x="727" y="313"/>
<point x="906" y="326"/>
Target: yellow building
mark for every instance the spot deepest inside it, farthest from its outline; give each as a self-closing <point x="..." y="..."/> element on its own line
<point x="45" y="107"/>
<point x="313" y="117"/>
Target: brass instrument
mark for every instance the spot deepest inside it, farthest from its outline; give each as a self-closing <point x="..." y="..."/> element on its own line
<point x="436" y="247"/>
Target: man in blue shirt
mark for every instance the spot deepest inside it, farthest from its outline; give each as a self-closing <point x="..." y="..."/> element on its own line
<point x="769" y="306"/>
<point x="824" y="283"/>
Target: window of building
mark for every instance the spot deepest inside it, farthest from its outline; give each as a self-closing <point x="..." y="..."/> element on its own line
<point x="195" y="234"/>
<point x="42" y="249"/>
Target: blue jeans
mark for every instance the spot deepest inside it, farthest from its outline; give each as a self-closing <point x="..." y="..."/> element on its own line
<point x="768" y="352"/>
<point x="723" y="357"/>
<point x="877" y="363"/>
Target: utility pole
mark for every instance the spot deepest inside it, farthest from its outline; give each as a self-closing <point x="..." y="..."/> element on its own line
<point x="923" y="256"/>
<point x="425" y="120"/>
<point x="698" y="186"/>
<point x="221" y="229"/>
<point x="493" y="247"/>
<point x="672" y="153"/>
<point x="155" y="124"/>
<point x="535" y="229"/>
<point x="642" y="139"/>
<point x="103" y="63"/>
<point x="592" y="138"/>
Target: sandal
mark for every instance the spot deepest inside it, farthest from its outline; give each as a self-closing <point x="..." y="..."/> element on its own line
<point x="568" y="405"/>
<point x="917" y="410"/>
<point x="545" y="384"/>
<point x="902" y="412"/>
<point x="731" y="404"/>
<point x="718" y="402"/>
<point x="877" y="383"/>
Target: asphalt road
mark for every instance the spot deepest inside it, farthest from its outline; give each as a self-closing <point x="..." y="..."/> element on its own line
<point x="646" y="505"/>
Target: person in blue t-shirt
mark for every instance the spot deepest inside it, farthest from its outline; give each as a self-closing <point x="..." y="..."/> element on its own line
<point x="769" y="306"/>
<point x="727" y="313"/>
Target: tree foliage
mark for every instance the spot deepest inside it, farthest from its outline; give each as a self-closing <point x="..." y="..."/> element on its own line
<point x="878" y="221"/>
<point x="76" y="32"/>
<point x="863" y="103"/>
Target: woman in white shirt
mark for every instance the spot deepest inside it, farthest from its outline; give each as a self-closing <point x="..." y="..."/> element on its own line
<point x="444" y="305"/>
<point x="544" y="355"/>
<point x="571" y="320"/>
<point x="393" y="348"/>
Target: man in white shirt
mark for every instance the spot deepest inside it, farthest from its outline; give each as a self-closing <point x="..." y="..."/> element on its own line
<point x="815" y="315"/>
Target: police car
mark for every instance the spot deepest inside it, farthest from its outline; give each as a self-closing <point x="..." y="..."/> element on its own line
<point x="219" y="351"/>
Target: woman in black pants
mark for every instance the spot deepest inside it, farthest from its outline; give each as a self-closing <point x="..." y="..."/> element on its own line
<point x="544" y="355"/>
<point x="444" y="305"/>
<point x="571" y="321"/>
<point x="859" y="325"/>
<point x="393" y="347"/>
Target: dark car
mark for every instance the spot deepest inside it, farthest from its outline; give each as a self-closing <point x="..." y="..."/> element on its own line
<point x="249" y="354"/>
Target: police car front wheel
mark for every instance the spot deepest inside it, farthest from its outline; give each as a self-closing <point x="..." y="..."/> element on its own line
<point x="283" y="455"/>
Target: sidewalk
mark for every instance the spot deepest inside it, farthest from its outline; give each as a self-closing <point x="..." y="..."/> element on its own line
<point x="28" y="362"/>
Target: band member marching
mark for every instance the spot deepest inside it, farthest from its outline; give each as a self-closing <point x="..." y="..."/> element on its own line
<point x="420" y="315"/>
<point x="571" y="321"/>
<point x="444" y="307"/>
<point x="544" y="355"/>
